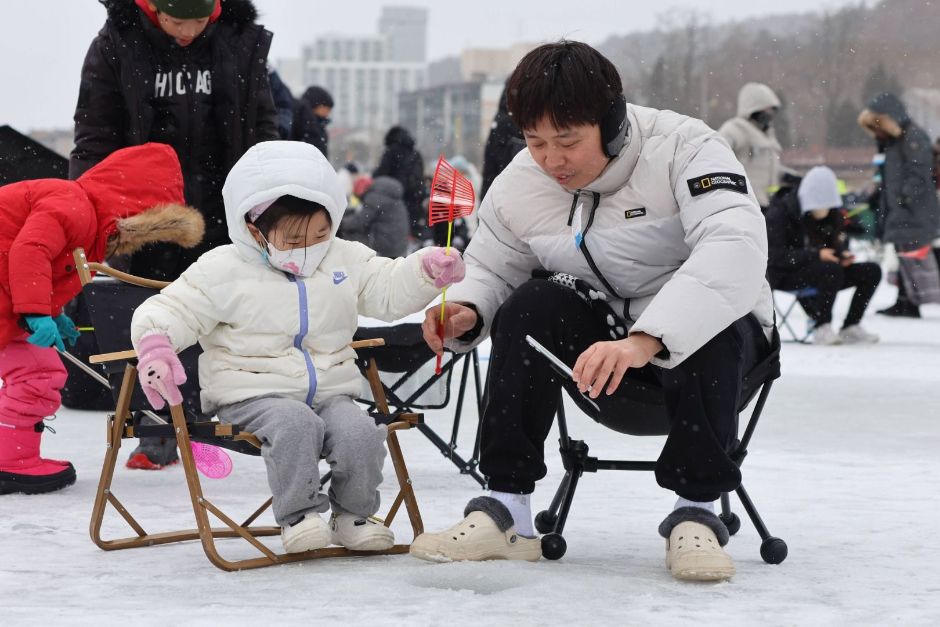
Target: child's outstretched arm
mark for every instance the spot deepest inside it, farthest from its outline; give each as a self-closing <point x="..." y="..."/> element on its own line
<point x="393" y="288"/>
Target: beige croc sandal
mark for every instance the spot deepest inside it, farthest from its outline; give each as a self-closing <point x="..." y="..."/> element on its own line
<point x="693" y="549"/>
<point x="486" y="533"/>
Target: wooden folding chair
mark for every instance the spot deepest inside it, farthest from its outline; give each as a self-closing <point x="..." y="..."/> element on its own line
<point x="121" y="425"/>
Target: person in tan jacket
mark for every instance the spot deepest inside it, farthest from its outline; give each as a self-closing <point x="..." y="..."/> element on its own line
<point x="752" y="138"/>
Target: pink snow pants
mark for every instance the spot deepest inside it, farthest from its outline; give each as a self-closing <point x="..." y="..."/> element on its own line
<point x="32" y="377"/>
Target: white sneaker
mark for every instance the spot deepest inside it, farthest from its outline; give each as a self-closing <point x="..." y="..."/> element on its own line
<point x="309" y="534"/>
<point x="358" y="533"/>
<point x="824" y="335"/>
<point x="855" y="334"/>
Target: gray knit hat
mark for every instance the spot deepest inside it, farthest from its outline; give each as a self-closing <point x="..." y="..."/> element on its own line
<point x="185" y="9"/>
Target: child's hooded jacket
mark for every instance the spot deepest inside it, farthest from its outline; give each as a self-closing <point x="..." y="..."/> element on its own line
<point x="264" y="331"/>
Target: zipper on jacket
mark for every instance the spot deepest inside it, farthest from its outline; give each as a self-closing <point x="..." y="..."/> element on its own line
<point x="299" y="338"/>
<point x="582" y="246"/>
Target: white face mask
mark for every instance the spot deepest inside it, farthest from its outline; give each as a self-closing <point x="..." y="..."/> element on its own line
<point x="299" y="261"/>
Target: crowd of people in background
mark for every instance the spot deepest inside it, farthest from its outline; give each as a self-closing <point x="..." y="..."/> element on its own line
<point x="809" y="241"/>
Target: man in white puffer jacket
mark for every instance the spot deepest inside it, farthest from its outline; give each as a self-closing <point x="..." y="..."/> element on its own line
<point x="649" y="216"/>
<point x="275" y="313"/>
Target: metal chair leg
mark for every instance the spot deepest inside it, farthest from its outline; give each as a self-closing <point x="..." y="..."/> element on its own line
<point x="772" y="550"/>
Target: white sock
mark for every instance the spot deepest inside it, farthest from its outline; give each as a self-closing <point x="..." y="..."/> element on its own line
<point x="521" y="509"/>
<point x="706" y="505"/>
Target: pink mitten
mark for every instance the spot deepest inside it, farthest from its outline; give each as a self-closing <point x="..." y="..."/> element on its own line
<point x="443" y="268"/>
<point x="161" y="372"/>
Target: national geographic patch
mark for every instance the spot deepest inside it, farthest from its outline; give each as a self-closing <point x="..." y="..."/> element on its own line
<point x="719" y="180"/>
<point x="634" y="213"/>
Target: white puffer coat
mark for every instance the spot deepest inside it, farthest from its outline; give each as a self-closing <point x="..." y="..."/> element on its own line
<point x="681" y="267"/>
<point x="267" y="332"/>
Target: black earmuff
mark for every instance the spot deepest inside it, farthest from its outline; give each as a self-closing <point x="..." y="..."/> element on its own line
<point x="615" y="128"/>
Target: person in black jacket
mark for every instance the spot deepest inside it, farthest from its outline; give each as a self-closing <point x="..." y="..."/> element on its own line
<point x="188" y="73"/>
<point x="311" y="117"/>
<point x="807" y="248"/>
<point x="502" y="144"/>
<point x="284" y="103"/>
<point x="381" y="223"/>
<point x="191" y="74"/>
<point x="403" y="162"/>
<point x="908" y="211"/>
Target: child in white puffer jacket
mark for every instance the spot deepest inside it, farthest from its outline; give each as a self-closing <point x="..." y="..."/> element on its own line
<point x="275" y="313"/>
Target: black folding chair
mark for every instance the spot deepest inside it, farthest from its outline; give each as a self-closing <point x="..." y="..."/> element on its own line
<point x="645" y="414"/>
<point x="406" y="367"/>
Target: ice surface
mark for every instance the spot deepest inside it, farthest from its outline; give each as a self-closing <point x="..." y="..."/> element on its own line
<point x="844" y="466"/>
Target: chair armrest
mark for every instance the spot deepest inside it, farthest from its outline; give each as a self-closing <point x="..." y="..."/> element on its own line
<point x="85" y="268"/>
<point x="119" y="356"/>
<point x="371" y="343"/>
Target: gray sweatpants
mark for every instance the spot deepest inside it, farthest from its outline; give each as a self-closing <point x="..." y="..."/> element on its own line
<point x="294" y="436"/>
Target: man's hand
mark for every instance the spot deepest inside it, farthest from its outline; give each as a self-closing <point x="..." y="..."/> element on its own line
<point x="458" y="319"/>
<point x="847" y="259"/>
<point x="605" y="361"/>
<point x="829" y="255"/>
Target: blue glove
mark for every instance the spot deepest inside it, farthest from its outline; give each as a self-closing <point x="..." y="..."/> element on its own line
<point x="45" y="332"/>
<point x="67" y="329"/>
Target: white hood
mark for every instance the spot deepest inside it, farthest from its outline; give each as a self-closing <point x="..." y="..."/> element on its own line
<point x="273" y="169"/>
<point x="755" y="97"/>
<point x="819" y="189"/>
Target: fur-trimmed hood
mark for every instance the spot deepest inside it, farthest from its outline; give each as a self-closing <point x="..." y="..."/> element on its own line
<point x="885" y="112"/>
<point x="123" y="14"/>
<point x="179" y="224"/>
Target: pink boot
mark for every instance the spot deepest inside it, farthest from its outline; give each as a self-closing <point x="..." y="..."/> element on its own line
<point x="32" y="377"/>
<point x="21" y="467"/>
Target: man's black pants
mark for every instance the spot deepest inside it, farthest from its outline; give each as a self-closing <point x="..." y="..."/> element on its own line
<point x="701" y="395"/>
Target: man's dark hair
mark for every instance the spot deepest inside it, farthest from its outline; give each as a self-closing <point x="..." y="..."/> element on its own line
<point x="292" y="210"/>
<point x="569" y="81"/>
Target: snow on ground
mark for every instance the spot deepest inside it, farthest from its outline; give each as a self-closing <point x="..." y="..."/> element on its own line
<point x="844" y="466"/>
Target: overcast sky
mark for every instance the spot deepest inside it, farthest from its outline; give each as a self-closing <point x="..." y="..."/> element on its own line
<point x="43" y="42"/>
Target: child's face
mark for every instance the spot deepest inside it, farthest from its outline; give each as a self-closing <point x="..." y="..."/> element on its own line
<point x="183" y="31"/>
<point x="296" y="232"/>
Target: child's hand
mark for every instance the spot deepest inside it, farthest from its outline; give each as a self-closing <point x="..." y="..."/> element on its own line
<point x="45" y="333"/>
<point x="443" y="268"/>
<point x="67" y="329"/>
<point x="161" y="372"/>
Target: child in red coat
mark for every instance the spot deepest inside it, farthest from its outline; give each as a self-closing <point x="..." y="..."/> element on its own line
<point x="132" y="198"/>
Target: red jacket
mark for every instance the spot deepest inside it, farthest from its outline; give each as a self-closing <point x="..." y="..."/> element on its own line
<point x="44" y="220"/>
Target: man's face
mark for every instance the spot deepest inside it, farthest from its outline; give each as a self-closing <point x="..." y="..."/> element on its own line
<point x="572" y="156"/>
<point x="183" y="31"/>
<point x="322" y="111"/>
